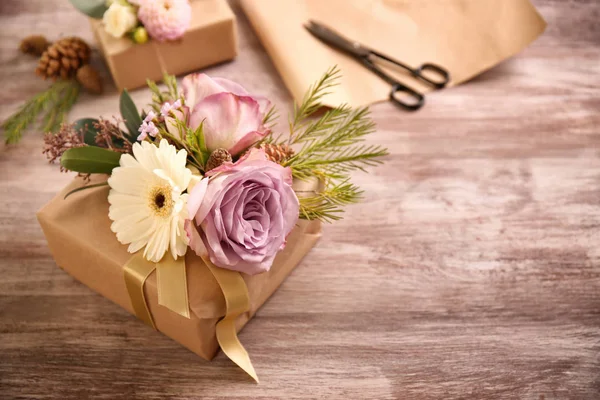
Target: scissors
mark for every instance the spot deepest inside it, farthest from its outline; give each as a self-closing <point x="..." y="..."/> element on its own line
<point x="368" y="57"/>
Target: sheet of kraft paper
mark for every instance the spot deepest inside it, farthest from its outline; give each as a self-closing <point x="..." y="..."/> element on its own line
<point x="466" y="37"/>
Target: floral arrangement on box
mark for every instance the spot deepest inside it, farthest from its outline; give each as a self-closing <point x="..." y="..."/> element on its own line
<point x="202" y="169"/>
<point x="160" y="20"/>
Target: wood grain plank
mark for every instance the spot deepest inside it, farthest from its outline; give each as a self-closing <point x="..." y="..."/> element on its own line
<point x="472" y="269"/>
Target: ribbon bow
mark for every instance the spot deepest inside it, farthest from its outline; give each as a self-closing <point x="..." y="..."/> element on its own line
<point x="172" y="293"/>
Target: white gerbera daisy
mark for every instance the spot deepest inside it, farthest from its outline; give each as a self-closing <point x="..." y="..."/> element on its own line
<point x="146" y="201"/>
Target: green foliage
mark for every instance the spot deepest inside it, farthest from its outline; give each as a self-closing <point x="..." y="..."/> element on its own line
<point x="159" y="97"/>
<point x="85" y="187"/>
<point x="327" y="205"/>
<point x="196" y="145"/>
<point x="331" y="148"/>
<point x="90" y="160"/>
<point x="91" y="8"/>
<point x="55" y="102"/>
<point x="312" y="99"/>
<point x="193" y="142"/>
<point x="63" y="102"/>
<point x="130" y="114"/>
<point x="271" y="117"/>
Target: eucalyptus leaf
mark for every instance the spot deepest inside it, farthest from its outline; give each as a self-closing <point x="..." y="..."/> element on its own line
<point x="91" y="8"/>
<point x="86" y="125"/>
<point x="130" y="114"/>
<point x="90" y="160"/>
<point x="79" y="189"/>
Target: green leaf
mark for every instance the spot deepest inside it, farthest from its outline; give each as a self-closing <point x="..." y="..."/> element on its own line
<point x="79" y="189"/>
<point x="90" y="160"/>
<point x="91" y="8"/>
<point x="86" y="125"/>
<point x="130" y="114"/>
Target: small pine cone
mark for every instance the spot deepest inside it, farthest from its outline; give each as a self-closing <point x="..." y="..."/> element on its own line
<point x="63" y="58"/>
<point x="217" y="157"/>
<point x="35" y="45"/>
<point x="277" y="153"/>
<point x="90" y="79"/>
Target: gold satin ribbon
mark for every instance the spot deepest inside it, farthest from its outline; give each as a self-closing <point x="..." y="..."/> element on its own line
<point x="171" y="282"/>
<point x="172" y="293"/>
<point x="136" y="271"/>
<point x="237" y="302"/>
<point x="172" y="285"/>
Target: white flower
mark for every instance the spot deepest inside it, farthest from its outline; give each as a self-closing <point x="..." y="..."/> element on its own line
<point x="147" y="206"/>
<point x="119" y="19"/>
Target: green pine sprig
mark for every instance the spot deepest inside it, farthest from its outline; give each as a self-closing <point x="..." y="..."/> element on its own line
<point x="159" y="97"/>
<point x="327" y="205"/>
<point x="312" y="100"/>
<point x="331" y="148"/>
<point x="55" y="102"/>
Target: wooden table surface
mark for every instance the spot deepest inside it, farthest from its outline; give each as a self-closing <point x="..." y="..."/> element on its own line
<point x="472" y="270"/>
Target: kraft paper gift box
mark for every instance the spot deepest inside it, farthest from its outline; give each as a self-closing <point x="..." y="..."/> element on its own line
<point x="79" y="237"/>
<point x="210" y="39"/>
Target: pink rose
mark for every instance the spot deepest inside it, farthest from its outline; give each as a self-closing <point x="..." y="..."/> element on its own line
<point x="233" y="119"/>
<point x="243" y="213"/>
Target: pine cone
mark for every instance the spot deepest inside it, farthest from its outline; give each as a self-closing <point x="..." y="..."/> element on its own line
<point x="63" y="58"/>
<point x="277" y="153"/>
<point x="34" y="45"/>
<point x="90" y="79"/>
<point x="217" y="157"/>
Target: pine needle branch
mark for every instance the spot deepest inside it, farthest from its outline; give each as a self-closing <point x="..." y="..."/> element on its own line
<point x="327" y="205"/>
<point x="17" y="123"/>
<point x="63" y="102"/>
<point x="271" y="117"/>
<point x="312" y="100"/>
<point x="170" y="82"/>
<point x="332" y="145"/>
<point x="159" y="97"/>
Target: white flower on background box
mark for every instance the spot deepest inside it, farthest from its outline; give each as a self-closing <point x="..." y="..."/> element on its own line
<point x="119" y="19"/>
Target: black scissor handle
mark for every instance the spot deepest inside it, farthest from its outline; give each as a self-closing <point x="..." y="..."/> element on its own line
<point x="418" y="98"/>
<point x="436" y="70"/>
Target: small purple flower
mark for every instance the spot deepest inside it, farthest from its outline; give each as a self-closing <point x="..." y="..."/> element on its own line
<point x="168" y="107"/>
<point x="147" y="128"/>
<point x="150" y="116"/>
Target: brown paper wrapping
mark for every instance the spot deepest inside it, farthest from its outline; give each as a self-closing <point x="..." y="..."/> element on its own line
<point x="210" y="39"/>
<point x="466" y="37"/>
<point x="81" y="242"/>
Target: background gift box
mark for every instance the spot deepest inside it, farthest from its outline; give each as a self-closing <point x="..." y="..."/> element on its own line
<point x="210" y="39"/>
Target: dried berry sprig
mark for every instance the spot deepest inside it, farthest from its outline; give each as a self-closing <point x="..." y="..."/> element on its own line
<point x="55" y="144"/>
<point x="111" y="136"/>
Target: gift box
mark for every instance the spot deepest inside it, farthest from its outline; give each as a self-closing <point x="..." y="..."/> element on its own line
<point x="210" y="39"/>
<point x="79" y="237"/>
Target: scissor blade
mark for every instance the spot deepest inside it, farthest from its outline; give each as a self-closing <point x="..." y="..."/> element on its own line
<point x="334" y="39"/>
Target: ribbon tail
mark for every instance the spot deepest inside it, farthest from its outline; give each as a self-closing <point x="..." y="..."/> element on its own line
<point x="136" y="271"/>
<point x="171" y="282"/>
<point x="237" y="302"/>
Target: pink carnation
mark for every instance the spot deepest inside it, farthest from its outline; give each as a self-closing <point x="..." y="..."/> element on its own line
<point x="165" y="19"/>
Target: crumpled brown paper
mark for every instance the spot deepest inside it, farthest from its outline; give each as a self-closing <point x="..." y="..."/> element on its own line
<point x="466" y="37"/>
<point x="81" y="242"/>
